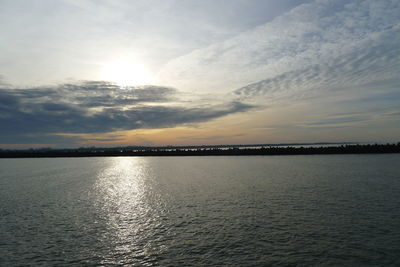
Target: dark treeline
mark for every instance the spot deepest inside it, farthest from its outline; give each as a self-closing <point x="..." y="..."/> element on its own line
<point x="202" y="151"/>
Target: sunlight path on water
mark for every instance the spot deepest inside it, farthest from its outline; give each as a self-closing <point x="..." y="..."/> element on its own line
<point x="124" y="195"/>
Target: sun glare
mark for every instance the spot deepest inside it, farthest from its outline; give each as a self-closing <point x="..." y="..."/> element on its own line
<point x="126" y="73"/>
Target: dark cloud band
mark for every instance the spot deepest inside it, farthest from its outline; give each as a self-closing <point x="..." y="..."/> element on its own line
<point x="98" y="107"/>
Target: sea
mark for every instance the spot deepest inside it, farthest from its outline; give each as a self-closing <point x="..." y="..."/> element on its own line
<point x="315" y="210"/>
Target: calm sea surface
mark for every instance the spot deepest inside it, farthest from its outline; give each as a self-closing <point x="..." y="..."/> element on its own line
<point x="331" y="210"/>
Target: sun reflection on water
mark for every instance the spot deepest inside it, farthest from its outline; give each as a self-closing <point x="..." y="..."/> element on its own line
<point x="122" y="190"/>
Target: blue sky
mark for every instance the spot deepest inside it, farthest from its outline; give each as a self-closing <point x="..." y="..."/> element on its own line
<point x="77" y="72"/>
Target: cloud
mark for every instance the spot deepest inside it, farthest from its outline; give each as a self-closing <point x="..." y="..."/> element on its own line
<point x="339" y="121"/>
<point x="326" y="43"/>
<point x="375" y="61"/>
<point x="75" y="38"/>
<point x="98" y="107"/>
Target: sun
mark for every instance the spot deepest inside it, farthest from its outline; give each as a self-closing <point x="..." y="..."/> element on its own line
<point x="126" y="73"/>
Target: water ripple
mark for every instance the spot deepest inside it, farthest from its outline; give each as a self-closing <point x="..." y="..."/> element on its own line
<point x="208" y="211"/>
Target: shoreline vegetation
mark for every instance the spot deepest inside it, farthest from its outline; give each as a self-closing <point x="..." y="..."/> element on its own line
<point x="217" y="150"/>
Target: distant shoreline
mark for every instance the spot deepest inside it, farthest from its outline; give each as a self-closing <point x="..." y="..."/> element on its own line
<point x="242" y="150"/>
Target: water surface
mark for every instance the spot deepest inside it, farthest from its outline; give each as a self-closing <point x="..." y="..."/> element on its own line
<point x="173" y="211"/>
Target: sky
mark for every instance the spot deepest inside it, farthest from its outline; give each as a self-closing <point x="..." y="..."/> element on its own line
<point x="186" y="72"/>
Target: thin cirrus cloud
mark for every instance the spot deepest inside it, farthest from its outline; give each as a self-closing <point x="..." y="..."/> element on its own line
<point x="97" y="107"/>
<point x="325" y="56"/>
<point x="75" y="38"/>
<point x="374" y="61"/>
<point x="321" y="44"/>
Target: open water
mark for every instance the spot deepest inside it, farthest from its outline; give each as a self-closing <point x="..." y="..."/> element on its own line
<point x="321" y="210"/>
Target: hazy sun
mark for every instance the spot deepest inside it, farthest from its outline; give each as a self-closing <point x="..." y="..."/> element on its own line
<point x="126" y="73"/>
